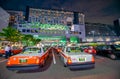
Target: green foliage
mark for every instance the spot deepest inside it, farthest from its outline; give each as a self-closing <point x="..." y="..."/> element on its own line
<point x="11" y="34"/>
<point x="28" y="39"/>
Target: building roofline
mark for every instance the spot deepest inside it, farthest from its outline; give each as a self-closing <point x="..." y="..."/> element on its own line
<point x="55" y="9"/>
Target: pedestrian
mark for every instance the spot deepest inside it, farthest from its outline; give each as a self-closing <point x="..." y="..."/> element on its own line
<point x="10" y="50"/>
<point x="7" y="51"/>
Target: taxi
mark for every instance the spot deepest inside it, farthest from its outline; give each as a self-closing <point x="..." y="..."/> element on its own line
<point x="90" y="50"/>
<point x="58" y="49"/>
<point x="74" y="57"/>
<point x="14" y="50"/>
<point x="30" y="58"/>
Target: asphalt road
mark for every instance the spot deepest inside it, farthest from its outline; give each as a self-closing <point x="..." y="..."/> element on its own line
<point x="105" y="68"/>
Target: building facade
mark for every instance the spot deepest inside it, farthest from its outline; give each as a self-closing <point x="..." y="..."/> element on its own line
<point x="55" y="23"/>
<point x="117" y="26"/>
<point x="100" y="32"/>
<point x="15" y="17"/>
<point x="4" y="18"/>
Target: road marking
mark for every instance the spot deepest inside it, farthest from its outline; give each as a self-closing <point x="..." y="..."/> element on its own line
<point x="3" y="60"/>
<point x="54" y="61"/>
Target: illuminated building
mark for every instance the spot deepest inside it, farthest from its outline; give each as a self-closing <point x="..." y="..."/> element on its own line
<point x="100" y="32"/>
<point x="117" y="26"/>
<point x="15" y="17"/>
<point x="56" y="23"/>
<point x="44" y="23"/>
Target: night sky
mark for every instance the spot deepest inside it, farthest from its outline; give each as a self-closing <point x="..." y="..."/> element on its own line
<point x="96" y="11"/>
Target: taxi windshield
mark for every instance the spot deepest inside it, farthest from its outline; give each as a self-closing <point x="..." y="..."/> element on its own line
<point x="73" y="50"/>
<point x="32" y="50"/>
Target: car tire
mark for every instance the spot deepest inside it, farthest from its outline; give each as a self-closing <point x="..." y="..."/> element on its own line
<point x="65" y="65"/>
<point x="112" y="56"/>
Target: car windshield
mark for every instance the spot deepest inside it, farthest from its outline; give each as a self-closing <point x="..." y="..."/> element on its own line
<point x="32" y="50"/>
<point x="45" y="48"/>
<point x="73" y="50"/>
<point x="84" y="46"/>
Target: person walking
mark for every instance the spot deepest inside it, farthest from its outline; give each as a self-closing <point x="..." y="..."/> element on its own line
<point x="10" y="53"/>
<point x="7" y="51"/>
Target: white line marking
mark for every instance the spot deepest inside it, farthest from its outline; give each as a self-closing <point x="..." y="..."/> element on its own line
<point x="54" y="61"/>
<point x="3" y="60"/>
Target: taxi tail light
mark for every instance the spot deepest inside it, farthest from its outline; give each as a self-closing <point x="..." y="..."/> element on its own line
<point x="93" y="59"/>
<point x="8" y="63"/>
<point x="69" y="61"/>
<point x="37" y="61"/>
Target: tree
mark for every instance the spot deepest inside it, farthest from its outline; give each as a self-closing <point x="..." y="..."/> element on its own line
<point x="28" y="39"/>
<point x="11" y="34"/>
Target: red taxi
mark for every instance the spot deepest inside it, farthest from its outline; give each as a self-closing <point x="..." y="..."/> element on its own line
<point x="30" y="58"/>
<point x="14" y="50"/>
<point x="58" y="49"/>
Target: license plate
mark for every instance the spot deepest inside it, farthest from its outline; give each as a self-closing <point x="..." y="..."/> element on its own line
<point x="23" y="60"/>
<point x="82" y="59"/>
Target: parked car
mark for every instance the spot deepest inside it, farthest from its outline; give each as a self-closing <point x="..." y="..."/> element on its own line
<point x="90" y="50"/>
<point x="111" y="51"/>
<point x="30" y="58"/>
<point x="74" y="57"/>
<point x="58" y="49"/>
<point x="14" y="50"/>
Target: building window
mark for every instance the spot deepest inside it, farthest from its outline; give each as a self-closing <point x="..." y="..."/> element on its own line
<point x="28" y="30"/>
<point x="23" y="30"/>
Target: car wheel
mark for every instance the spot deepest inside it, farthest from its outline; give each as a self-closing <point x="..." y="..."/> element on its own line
<point x="112" y="56"/>
<point x="65" y="65"/>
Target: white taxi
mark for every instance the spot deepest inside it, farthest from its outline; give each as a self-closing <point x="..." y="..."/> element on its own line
<point x="75" y="57"/>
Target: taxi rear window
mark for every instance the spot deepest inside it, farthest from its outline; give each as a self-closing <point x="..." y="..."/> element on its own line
<point x="73" y="49"/>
